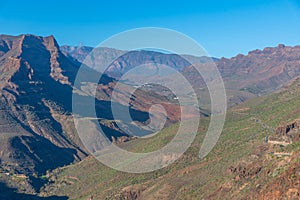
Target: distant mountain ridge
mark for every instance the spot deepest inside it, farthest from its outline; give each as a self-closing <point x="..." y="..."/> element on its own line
<point x="262" y="71"/>
<point x="115" y="62"/>
<point x="246" y="76"/>
<point x="258" y="73"/>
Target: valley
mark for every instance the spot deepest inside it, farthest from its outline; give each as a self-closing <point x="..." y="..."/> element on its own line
<point x="42" y="155"/>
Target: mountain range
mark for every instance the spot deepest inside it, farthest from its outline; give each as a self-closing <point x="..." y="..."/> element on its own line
<point x="38" y="137"/>
<point x="37" y="129"/>
<point x="257" y="73"/>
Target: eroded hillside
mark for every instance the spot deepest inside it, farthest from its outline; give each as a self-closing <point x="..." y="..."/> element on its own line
<point x="243" y="165"/>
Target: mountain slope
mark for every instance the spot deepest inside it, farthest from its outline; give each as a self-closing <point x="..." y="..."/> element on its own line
<point x="32" y="79"/>
<point x="262" y="71"/>
<point x="258" y="73"/>
<point x="241" y="166"/>
<point x="37" y="133"/>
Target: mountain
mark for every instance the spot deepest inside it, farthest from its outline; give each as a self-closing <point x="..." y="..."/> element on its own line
<point x="262" y="71"/>
<point x="246" y="76"/>
<point x="102" y="58"/>
<point x="241" y="166"/>
<point x="37" y="132"/>
<point x="40" y="147"/>
<point x="34" y="83"/>
<point x="115" y="62"/>
<point x="258" y="73"/>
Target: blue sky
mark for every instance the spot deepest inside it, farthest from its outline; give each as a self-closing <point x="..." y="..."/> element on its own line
<point x="223" y="28"/>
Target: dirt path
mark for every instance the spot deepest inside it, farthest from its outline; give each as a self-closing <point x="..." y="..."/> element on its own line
<point x="279" y="142"/>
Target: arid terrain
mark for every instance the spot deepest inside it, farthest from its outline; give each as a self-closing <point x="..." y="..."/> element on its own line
<point x="42" y="156"/>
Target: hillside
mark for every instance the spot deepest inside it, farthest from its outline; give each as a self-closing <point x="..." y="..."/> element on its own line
<point x="241" y="166"/>
<point x="261" y="71"/>
<point x="33" y="85"/>
<point x="39" y="144"/>
<point x="37" y="129"/>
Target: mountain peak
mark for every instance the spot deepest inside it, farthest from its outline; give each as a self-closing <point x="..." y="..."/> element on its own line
<point x="41" y="56"/>
<point x="281" y="46"/>
<point x="51" y="42"/>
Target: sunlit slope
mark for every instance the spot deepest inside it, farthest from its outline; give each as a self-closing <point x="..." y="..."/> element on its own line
<point x="241" y="166"/>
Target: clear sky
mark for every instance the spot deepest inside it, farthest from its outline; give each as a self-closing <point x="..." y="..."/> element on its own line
<point x="223" y="28"/>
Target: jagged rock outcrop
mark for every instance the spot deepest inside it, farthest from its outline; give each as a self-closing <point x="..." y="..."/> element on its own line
<point x="34" y="88"/>
<point x="290" y="131"/>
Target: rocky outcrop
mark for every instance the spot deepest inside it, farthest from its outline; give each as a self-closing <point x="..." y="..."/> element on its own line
<point x="289" y="131"/>
<point x="131" y="193"/>
<point x="32" y="141"/>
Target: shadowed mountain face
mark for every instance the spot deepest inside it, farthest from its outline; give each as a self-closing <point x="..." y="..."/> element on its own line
<point x="33" y="87"/>
<point x="37" y="132"/>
